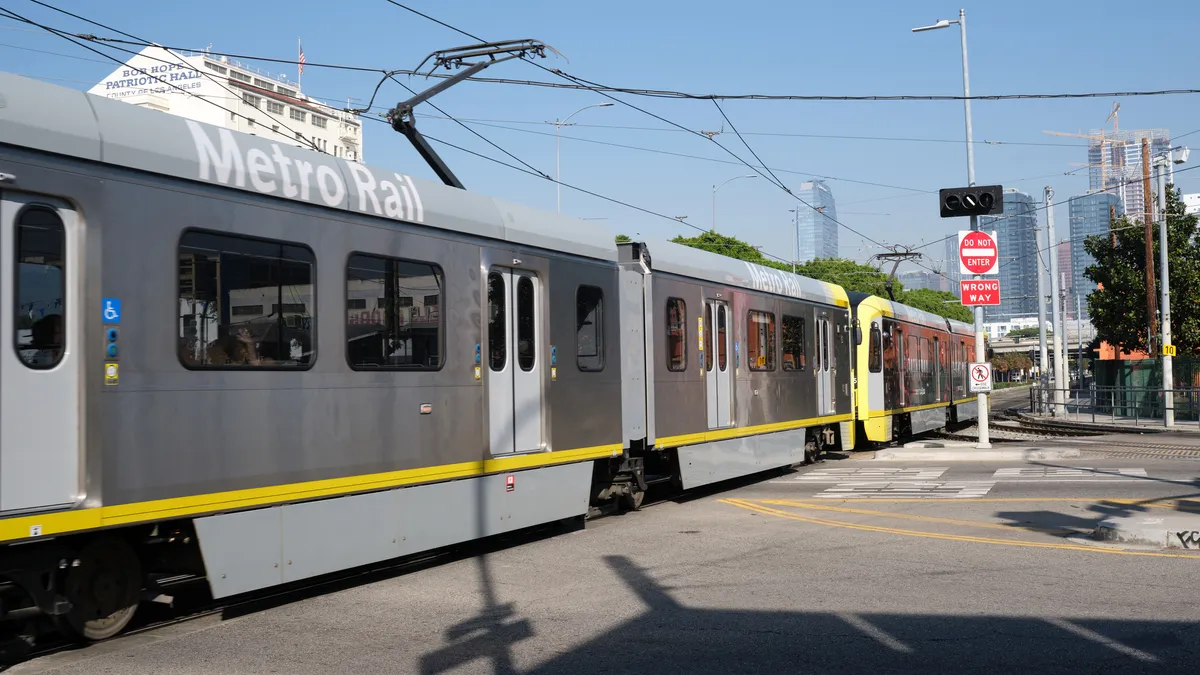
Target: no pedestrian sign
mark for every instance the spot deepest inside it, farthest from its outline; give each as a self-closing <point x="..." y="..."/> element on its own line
<point x="978" y="252"/>
<point x="981" y="377"/>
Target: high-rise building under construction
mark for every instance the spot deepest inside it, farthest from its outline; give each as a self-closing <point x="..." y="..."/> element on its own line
<point x="1115" y="163"/>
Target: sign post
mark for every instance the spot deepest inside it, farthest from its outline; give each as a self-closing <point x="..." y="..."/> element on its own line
<point x="978" y="254"/>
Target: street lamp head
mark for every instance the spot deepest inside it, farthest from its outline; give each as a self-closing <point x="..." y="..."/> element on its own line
<point x="603" y="105"/>
<point x="1181" y="155"/>
<point x="943" y="23"/>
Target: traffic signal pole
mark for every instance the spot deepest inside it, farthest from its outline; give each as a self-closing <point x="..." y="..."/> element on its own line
<point x="980" y="350"/>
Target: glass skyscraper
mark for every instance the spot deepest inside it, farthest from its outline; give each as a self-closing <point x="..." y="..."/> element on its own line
<point x="818" y="232"/>
<point x="1089" y="216"/>
<point x="1018" y="257"/>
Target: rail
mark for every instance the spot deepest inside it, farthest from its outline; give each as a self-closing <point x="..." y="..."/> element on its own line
<point x="1114" y="404"/>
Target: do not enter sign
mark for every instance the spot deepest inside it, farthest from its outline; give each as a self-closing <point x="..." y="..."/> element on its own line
<point x="978" y="252"/>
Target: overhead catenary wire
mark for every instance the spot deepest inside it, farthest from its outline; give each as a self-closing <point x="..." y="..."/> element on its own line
<point x="311" y="143"/>
<point x="660" y="118"/>
<point x="530" y="170"/>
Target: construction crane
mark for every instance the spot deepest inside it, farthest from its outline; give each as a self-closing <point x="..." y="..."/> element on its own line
<point x="1102" y="140"/>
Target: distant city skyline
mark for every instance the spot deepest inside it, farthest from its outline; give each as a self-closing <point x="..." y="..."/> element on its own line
<point x="1089" y="216"/>
<point x="1018" y="256"/>
<point x="818" y="230"/>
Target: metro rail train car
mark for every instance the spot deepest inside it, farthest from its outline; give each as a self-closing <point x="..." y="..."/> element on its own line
<point x="249" y="364"/>
<point x="756" y="368"/>
<point x="911" y="370"/>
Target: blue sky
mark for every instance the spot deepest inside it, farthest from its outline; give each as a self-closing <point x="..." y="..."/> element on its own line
<point x="706" y="47"/>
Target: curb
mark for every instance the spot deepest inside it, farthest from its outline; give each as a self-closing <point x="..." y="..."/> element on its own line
<point x="968" y="453"/>
<point x="1176" y="532"/>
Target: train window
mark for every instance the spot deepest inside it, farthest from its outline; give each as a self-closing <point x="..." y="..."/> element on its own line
<point x="589" y="328"/>
<point x="676" y="334"/>
<point x="793" y="343"/>
<point x="722" y="357"/>
<point x="40" y="288"/>
<point x="218" y="274"/>
<point x="526" y="338"/>
<point x="394" y="314"/>
<point x="497" y="317"/>
<point x="760" y="341"/>
<point x="875" y="355"/>
<point x="708" y="330"/>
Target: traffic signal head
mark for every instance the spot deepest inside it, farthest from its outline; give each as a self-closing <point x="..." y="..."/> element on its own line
<point x="980" y="200"/>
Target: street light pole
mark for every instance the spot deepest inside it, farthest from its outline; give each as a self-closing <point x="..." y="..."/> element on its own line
<point x="980" y="352"/>
<point x="714" y="197"/>
<point x="558" y="148"/>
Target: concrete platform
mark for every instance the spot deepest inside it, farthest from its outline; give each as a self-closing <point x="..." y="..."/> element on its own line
<point x="1181" y="531"/>
<point x="964" y="451"/>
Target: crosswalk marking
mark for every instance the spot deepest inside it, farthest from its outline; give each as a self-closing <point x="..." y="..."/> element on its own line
<point x="926" y="490"/>
<point x="896" y="473"/>
<point x="1066" y="472"/>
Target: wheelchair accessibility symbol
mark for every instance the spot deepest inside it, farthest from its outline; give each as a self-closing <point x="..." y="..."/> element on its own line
<point x="112" y="310"/>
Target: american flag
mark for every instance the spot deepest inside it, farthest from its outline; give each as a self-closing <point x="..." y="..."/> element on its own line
<point x="301" y="58"/>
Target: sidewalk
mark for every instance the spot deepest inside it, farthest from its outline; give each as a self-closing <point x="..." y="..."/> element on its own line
<point x="1126" y="424"/>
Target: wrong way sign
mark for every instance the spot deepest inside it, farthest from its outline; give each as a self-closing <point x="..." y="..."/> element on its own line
<point x="979" y="292"/>
<point x="981" y="377"/>
<point x="978" y="252"/>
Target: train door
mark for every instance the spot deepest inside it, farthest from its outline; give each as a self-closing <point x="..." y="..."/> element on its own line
<point x="826" y="368"/>
<point x="718" y="335"/>
<point x="937" y="369"/>
<point x="515" y="360"/>
<point x="40" y="396"/>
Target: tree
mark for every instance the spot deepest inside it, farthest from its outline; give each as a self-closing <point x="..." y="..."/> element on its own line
<point x="1118" y="307"/>
<point x="938" y="302"/>
<point x="850" y="275"/>
<point x="623" y="239"/>
<point x="729" y="246"/>
<point x="1027" y="333"/>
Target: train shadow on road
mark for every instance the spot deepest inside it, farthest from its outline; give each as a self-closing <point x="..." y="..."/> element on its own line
<point x="670" y="637"/>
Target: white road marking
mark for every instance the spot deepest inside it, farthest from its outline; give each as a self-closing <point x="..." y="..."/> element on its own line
<point x="838" y="474"/>
<point x="875" y="632"/>
<point x="1067" y="472"/>
<point x="965" y="489"/>
<point x="1092" y="635"/>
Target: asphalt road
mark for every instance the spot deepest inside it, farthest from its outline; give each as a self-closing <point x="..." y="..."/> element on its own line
<point x="856" y="565"/>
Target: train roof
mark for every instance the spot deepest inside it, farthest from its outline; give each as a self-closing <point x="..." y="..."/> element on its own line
<point x="667" y="256"/>
<point x="53" y="119"/>
<point x="910" y="314"/>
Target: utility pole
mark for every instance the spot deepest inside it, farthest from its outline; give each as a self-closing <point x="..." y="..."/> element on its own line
<point x="1062" y="303"/>
<point x="1079" y="337"/>
<point x="1060" y="366"/>
<point x="796" y="236"/>
<point x="1168" y="377"/>
<point x="1148" y="201"/>
<point x="1044" y="364"/>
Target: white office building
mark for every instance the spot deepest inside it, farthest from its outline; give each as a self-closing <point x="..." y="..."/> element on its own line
<point x="248" y="100"/>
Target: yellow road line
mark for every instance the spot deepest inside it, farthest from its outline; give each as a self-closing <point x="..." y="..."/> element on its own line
<point x="750" y="506"/>
<point x="909" y="516"/>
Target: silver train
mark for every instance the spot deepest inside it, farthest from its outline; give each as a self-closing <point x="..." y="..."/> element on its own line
<point x="254" y="364"/>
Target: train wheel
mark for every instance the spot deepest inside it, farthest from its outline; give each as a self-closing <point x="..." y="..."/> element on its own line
<point x="104" y="590"/>
<point x="634" y="498"/>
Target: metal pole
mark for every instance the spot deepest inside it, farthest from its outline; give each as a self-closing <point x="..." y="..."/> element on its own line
<point x="1060" y="366"/>
<point x="980" y="353"/>
<point x="796" y="233"/>
<point x="1044" y="364"/>
<point x="557" y="164"/>
<point x="1079" y="337"/>
<point x="714" y="209"/>
<point x="1062" y="304"/>
<point x="1168" y="377"/>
